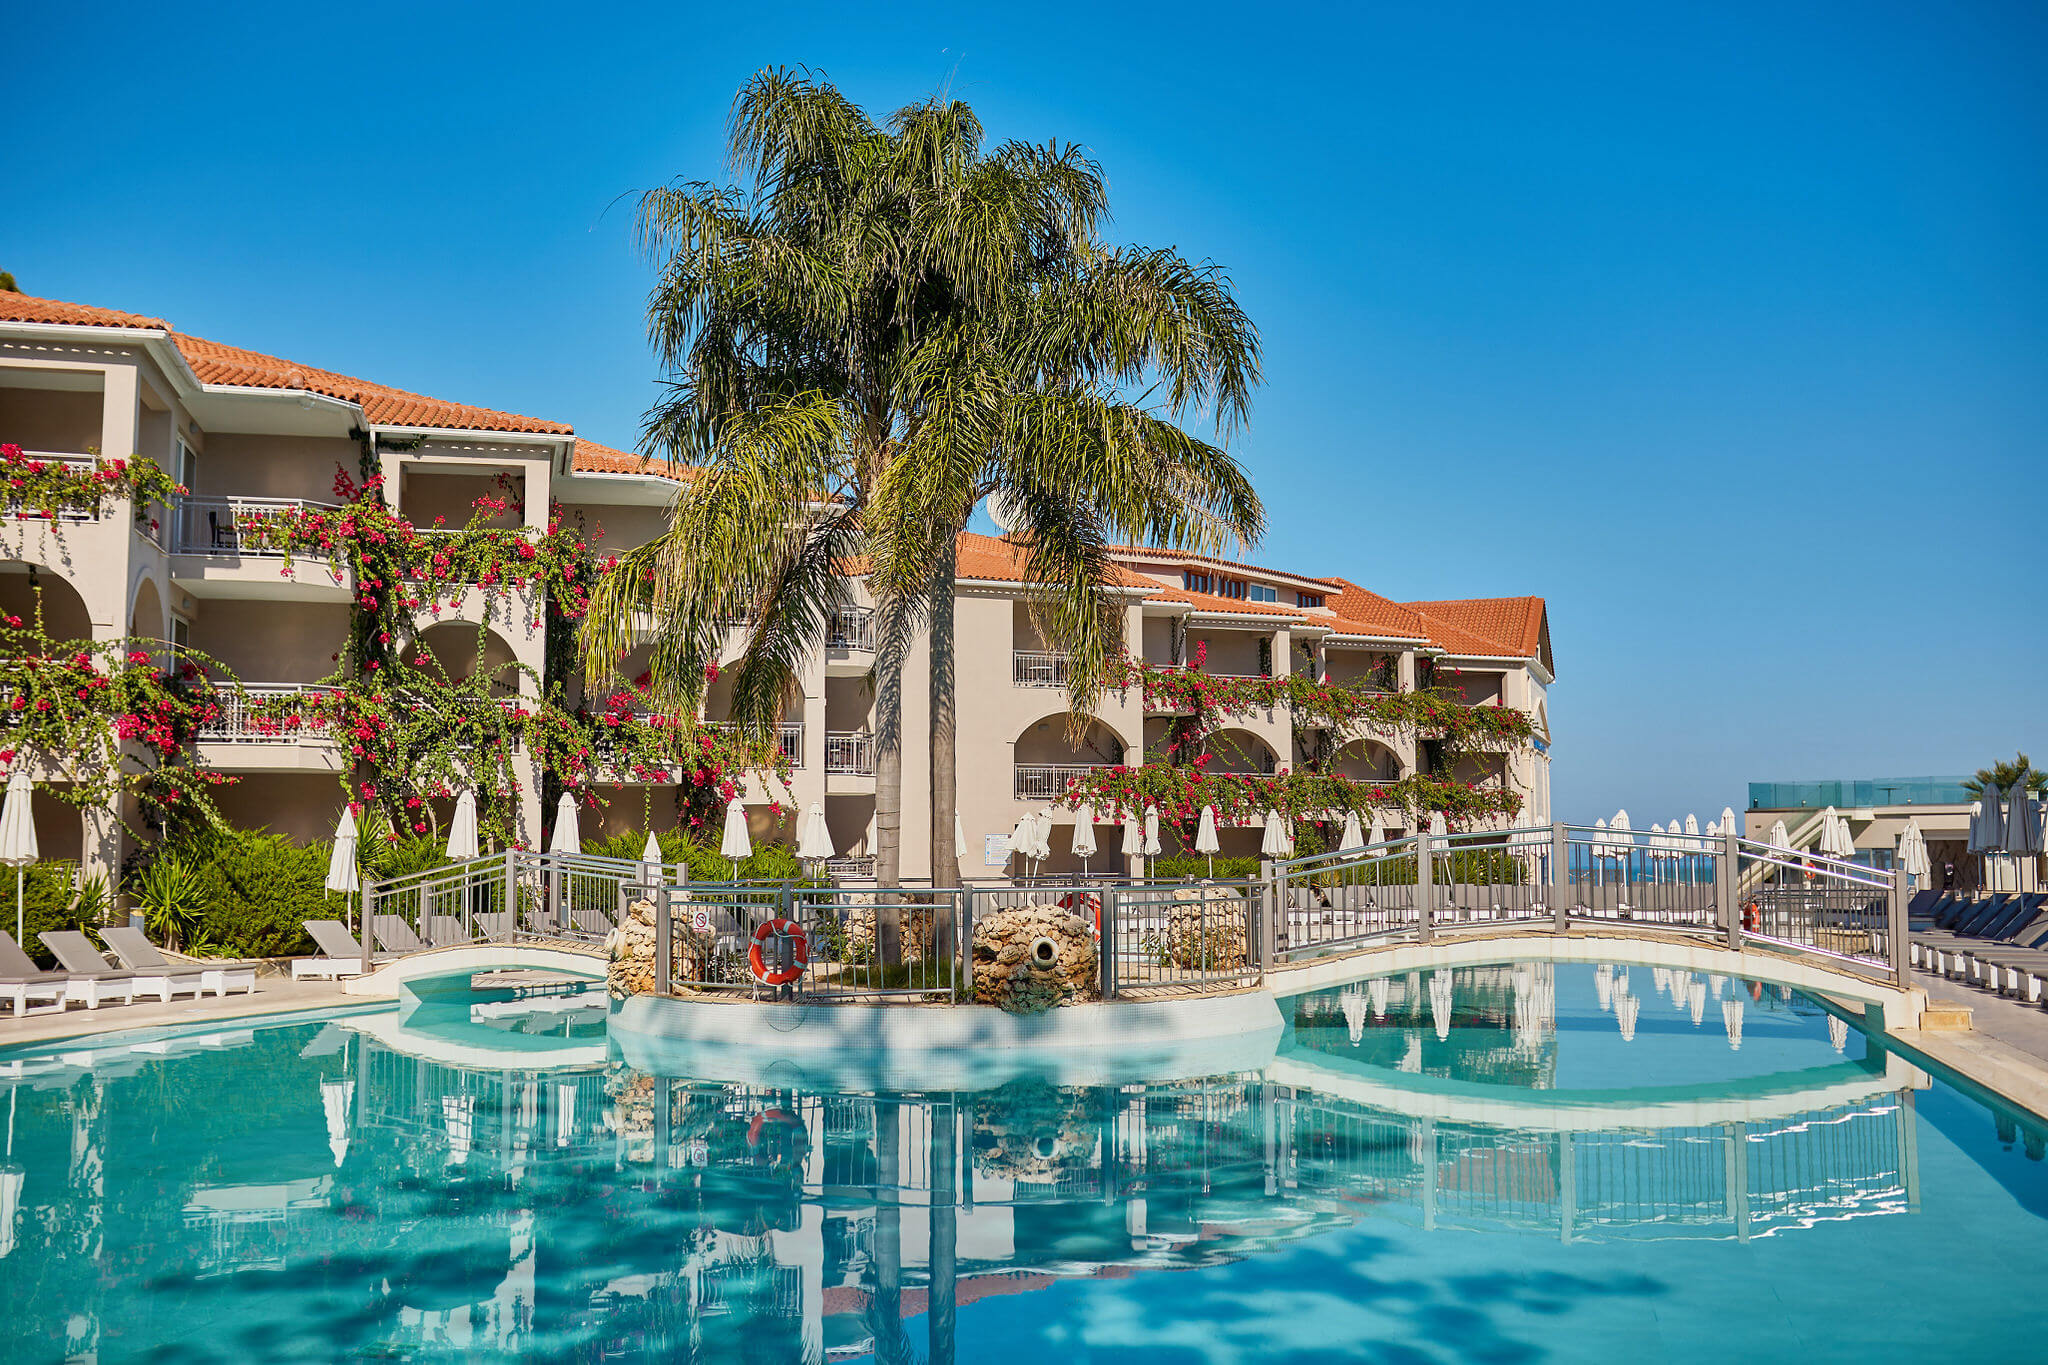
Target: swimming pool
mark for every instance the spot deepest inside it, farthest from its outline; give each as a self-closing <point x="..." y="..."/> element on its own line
<point x="1505" y="1163"/>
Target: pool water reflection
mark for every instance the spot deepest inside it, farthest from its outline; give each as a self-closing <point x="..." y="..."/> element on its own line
<point x="1499" y="1163"/>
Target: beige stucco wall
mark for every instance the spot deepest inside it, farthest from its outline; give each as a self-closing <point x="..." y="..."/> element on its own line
<point x="271" y="642"/>
<point x="56" y="420"/>
<point x="236" y="464"/>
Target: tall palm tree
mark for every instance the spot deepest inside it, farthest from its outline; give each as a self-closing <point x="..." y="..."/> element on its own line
<point x="2003" y="777"/>
<point x="882" y="327"/>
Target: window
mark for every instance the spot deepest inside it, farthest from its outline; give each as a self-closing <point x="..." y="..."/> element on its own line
<point x="1259" y="592"/>
<point x="1198" y="582"/>
<point x="1308" y="599"/>
<point x="1230" y="587"/>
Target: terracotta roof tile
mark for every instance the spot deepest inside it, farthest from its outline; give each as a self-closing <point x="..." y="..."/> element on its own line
<point x="1492" y="627"/>
<point x="24" y="308"/>
<point x="591" y="458"/>
<point x="1360" y="612"/>
<point x="1000" y="560"/>
<point x="1235" y="606"/>
<point x="216" y="363"/>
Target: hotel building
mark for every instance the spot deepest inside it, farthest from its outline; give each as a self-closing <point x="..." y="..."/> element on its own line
<point x="249" y="433"/>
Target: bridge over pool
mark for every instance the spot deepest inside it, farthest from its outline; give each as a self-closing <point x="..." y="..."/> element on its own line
<point x="1717" y="904"/>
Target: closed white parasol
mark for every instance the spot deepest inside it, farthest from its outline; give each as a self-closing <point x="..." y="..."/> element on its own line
<point x="1205" y="837"/>
<point x="567" y="835"/>
<point x="1084" y="835"/>
<point x="1278" y="841"/>
<point x="734" y="844"/>
<point x="462" y="841"/>
<point x="341" y="860"/>
<point x="814" y="837"/>
<point x="1352" y="837"/>
<point x="18" y="834"/>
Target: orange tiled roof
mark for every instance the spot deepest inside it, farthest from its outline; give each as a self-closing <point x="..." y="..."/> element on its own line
<point x="1000" y="560"/>
<point x="1360" y="612"/>
<point x="591" y="458"/>
<point x="215" y="363"/>
<point x="1235" y="606"/>
<point x="1507" y="627"/>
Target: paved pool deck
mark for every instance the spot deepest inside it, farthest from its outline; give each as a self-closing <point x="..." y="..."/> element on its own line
<point x="2004" y="1050"/>
<point x="273" y="995"/>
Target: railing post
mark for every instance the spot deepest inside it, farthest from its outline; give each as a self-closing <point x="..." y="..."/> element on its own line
<point x="1105" y="945"/>
<point x="512" y="891"/>
<point x="664" y="947"/>
<point x="1269" y="920"/>
<point x="1727" y="871"/>
<point x="1425" y="886"/>
<point x="1896" y="928"/>
<point x="1560" y="876"/>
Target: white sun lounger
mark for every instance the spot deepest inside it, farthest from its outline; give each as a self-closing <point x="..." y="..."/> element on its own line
<point x="92" y="980"/>
<point x="142" y="957"/>
<point x="340" y="955"/>
<point x="22" y="981"/>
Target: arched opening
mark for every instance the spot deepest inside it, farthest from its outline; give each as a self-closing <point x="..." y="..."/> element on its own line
<point x="1050" y="757"/>
<point x="455" y="646"/>
<point x="23" y="584"/>
<point x="1366" y="760"/>
<point x="148" y="628"/>
<point x="1239" y="751"/>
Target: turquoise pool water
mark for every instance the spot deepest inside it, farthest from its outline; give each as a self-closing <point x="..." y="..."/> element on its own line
<point x="1500" y="1164"/>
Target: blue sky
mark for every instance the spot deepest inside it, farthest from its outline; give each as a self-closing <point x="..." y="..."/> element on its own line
<point x="1721" y="327"/>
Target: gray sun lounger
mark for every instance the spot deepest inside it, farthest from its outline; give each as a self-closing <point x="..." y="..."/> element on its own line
<point x="445" y="931"/>
<point x="340" y="955"/>
<point x="91" y="979"/>
<point x="394" y="935"/>
<point x="22" y="981"/>
<point x="142" y="957"/>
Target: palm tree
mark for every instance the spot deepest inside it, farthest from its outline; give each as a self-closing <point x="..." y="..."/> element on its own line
<point x="883" y="327"/>
<point x="2003" y="777"/>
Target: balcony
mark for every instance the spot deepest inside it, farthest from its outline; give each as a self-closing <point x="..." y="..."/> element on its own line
<point x="850" y="753"/>
<point x="262" y="714"/>
<point x="216" y="554"/>
<point x="72" y="460"/>
<point x="852" y="630"/>
<point x="1049" y="781"/>
<point x="1038" y="668"/>
<point x="789" y="737"/>
<point x="255" y="732"/>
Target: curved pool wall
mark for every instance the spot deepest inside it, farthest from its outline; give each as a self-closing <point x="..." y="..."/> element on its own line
<point x="956" y="1047"/>
<point x="1754" y="1183"/>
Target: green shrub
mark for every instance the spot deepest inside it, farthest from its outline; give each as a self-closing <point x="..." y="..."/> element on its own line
<point x="50" y="901"/>
<point x="1195" y="867"/>
<point x="255" y="889"/>
<point x="767" y="863"/>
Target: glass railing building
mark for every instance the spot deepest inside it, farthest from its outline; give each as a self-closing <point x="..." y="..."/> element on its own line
<point x="1881" y="791"/>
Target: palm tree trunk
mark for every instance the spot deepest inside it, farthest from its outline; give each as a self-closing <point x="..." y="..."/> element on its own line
<point x="945" y="728"/>
<point x="945" y="771"/>
<point x="888" y="775"/>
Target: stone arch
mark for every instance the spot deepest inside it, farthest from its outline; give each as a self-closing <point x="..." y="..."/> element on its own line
<point x="454" y="644"/>
<point x="149" y="622"/>
<point x="1048" y="739"/>
<point x="1366" y="760"/>
<point x="1235" y="750"/>
<point x="65" y="615"/>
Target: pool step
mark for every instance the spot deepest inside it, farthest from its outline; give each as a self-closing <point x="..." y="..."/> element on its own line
<point x="1945" y="1016"/>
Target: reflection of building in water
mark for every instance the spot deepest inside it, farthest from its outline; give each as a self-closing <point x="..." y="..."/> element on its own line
<point x="1493" y="1024"/>
<point x="506" y="1209"/>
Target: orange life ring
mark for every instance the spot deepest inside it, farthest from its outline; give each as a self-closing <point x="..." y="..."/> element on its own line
<point x="1749" y="916"/>
<point x="761" y="1122"/>
<point x="803" y="952"/>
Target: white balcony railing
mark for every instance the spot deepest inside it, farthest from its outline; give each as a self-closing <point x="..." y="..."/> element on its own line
<point x="213" y="526"/>
<point x="850" y="753"/>
<point x="1038" y="668"/>
<point x="853" y="867"/>
<point x="853" y="628"/>
<point x="72" y="460"/>
<point x="249" y="718"/>
<point x="1049" y="781"/>
<point x="789" y="738"/>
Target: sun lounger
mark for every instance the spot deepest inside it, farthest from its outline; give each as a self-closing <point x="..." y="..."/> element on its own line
<point x="590" y="920"/>
<point x="394" y="935"/>
<point x="340" y="955"/>
<point x="445" y="931"/>
<point x="91" y="979"/>
<point x="22" y="981"/>
<point x="493" y="926"/>
<point x="141" y="956"/>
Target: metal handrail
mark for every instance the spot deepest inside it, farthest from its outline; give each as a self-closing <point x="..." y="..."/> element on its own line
<point x="1038" y="668"/>
<point x="850" y="753"/>
<point x="240" y="723"/>
<point x="225" y="535"/>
